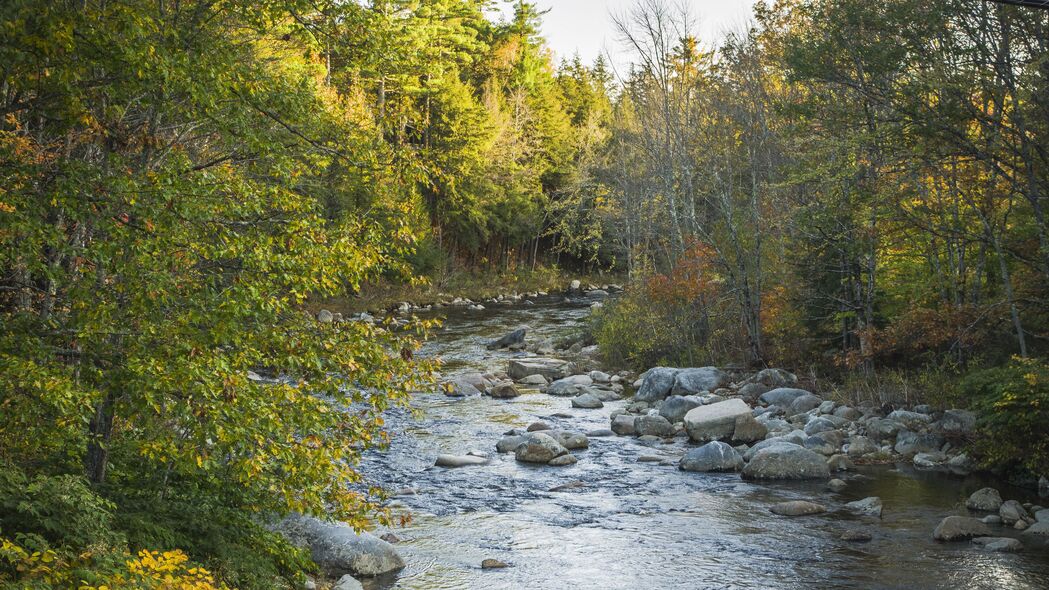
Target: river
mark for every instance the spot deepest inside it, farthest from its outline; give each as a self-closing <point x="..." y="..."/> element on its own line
<point x="628" y="524"/>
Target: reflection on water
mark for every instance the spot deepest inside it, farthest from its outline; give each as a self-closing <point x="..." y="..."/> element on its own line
<point x="630" y="524"/>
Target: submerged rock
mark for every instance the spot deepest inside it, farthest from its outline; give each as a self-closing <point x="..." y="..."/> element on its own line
<point x="999" y="544"/>
<point x="867" y="507"/>
<point x="960" y="528"/>
<point x="491" y="564"/>
<point x="459" y="460"/>
<point x="550" y="369"/>
<point x="797" y="508"/>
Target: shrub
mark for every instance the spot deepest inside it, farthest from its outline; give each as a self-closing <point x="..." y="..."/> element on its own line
<point x="1012" y="403"/>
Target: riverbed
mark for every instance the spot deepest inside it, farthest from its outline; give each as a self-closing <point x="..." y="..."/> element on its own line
<point x="617" y="522"/>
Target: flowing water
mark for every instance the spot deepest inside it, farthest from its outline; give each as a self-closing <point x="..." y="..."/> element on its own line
<point x="624" y="523"/>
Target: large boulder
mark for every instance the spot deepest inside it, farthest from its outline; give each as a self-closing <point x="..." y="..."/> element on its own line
<point x="960" y="528"/>
<point x="985" y="499"/>
<point x="803" y="404"/>
<point x="713" y="456"/>
<point x="999" y="544"/>
<point x="957" y="423"/>
<point x="1013" y="511"/>
<point x="656" y="384"/>
<point x="694" y="381"/>
<point x="338" y="549"/>
<point x="513" y="339"/>
<point x="774" y="378"/>
<point x="653" y="426"/>
<point x="569" y="439"/>
<point x="748" y="430"/>
<point x="538" y="447"/>
<point x="675" y="407"/>
<point x="570" y="386"/>
<point x="587" y="401"/>
<point x="752" y="391"/>
<point x="786" y="461"/>
<point x="551" y="369"/>
<point x="623" y="424"/>
<point x="716" y="421"/>
<point x="1038" y="529"/>
<point x="910" y="420"/>
<point x="509" y="443"/>
<point x="782" y="396"/>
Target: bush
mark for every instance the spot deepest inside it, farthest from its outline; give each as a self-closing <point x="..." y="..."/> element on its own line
<point x="1012" y="403"/>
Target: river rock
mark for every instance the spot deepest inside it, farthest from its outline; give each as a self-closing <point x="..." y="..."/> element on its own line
<point x="1042" y="515"/>
<point x="866" y="507"/>
<point x="821" y="445"/>
<point x="957" y="422"/>
<point x="752" y="391"/>
<point x="860" y="446"/>
<point x="656" y="384"/>
<point x="716" y="421"/>
<point x="1012" y="511"/>
<point x="1038" y="529"/>
<point x="960" y="528"/>
<point x="840" y="463"/>
<point x="623" y="424"/>
<point x="847" y="413"/>
<point x="570" y="386"/>
<point x="910" y="443"/>
<point x="698" y="380"/>
<point x="804" y="404"/>
<point x="509" y="443"/>
<point x="786" y="461"/>
<point x="551" y="369"/>
<point x="675" y="407"/>
<point x="504" y="390"/>
<point x="819" y="425"/>
<point x="347" y="582"/>
<point x="713" y="456"/>
<point x="999" y="544"/>
<point x="569" y="439"/>
<point x="325" y="317"/>
<point x="782" y="396"/>
<point x="534" y="380"/>
<point x="338" y="549"/>
<point x="774" y="378"/>
<point x="445" y="460"/>
<point x="836" y="485"/>
<point x="491" y="564"/>
<point x="459" y="388"/>
<point x="748" y="430"/>
<point x="587" y="401"/>
<point x="563" y="460"/>
<point x="538" y="448"/>
<point x="883" y="429"/>
<point x="515" y="338"/>
<point x="653" y="426"/>
<point x="856" y="536"/>
<point x="797" y="508"/>
<point x="538" y="426"/>
<point x="930" y="460"/>
<point x="986" y="499"/>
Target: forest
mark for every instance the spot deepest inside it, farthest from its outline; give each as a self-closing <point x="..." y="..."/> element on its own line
<point x="855" y="191"/>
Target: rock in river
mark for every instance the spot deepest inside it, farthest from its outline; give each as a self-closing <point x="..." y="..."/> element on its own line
<point x="551" y="369"/>
<point x="693" y="381"/>
<point x="652" y="426"/>
<point x="538" y="448"/>
<point x="623" y="424"/>
<point x="960" y="528"/>
<point x="999" y="544"/>
<point x="797" y="508"/>
<point x="337" y="549"/>
<point x="716" y="421"/>
<point x="570" y="386"/>
<point x="867" y="507"/>
<point x="987" y="499"/>
<point x="713" y="456"/>
<point x="459" y="460"/>
<point x="504" y="390"/>
<point x="587" y="401"/>
<point x="517" y="337"/>
<point x="347" y="582"/>
<point x="786" y="461"/>
<point x="675" y="407"/>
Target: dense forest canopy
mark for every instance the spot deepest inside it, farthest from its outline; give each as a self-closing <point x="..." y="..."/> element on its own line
<point x="843" y="187"/>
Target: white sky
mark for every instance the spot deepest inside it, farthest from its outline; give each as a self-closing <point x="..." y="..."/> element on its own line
<point x="585" y="26"/>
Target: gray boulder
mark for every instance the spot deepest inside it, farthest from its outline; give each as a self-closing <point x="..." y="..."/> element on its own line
<point x="848" y="413"/>
<point x="866" y="507"/>
<point x="694" y="381"/>
<point x="459" y="460"/>
<point x="985" y="499"/>
<point x="774" y="378"/>
<point x="508" y="444"/>
<point x="504" y="390"/>
<point x="538" y="447"/>
<point x="819" y="425"/>
<point x="1038" y="529"/>
<point x="782" y="396"/>
<point x="999" y="544"/>
<point x="960" y="528"/>
<point x="751" y="392"/>
<point x="656" y="384"/>
<point x="347" y="582"/>
<point x="786" y="461"/>
<point x="957" y="422"/>
<point x="713" y="456"/>
<point x="797" y="508"/>
<point x="551" y="369"/>
<point x="930" y="460"/>
<point x="459" y="388"/>
<point x="910" y="420"/>
<point x="325" y="317"/>
<point x="337" y="549"/>
<point x="653" y="426"/>
<point x="861" y="445"/>
<point x="569" y="439"/>
<point x="839" y="463"/>
<point x="910" y="443"/>
<point x="623" y="424"/>
<point x="515" y="338"/>
<point x="675" y="407"/>
<point x="804" y="404"/>
<point x="748" y="430"/>
<point x="587" y="401"/>
<point x="1013" y="511"/>
<point x="570" y="386"/>
<point x="716" y="421"/>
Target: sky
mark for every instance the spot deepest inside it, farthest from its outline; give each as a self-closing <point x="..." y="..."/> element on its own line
<point x="585" y="26"/>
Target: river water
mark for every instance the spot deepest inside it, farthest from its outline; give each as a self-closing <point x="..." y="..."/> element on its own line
<point x="622" y="523"/>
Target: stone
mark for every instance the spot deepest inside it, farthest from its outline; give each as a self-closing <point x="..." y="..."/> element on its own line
<point x="492" y="564"/>
<point x="821" y="445"/>
<point x="656" y="384"/>
<point x="1039" y="529"/>
<point x="797" y="508"/>
<point x="538" y="426"/>
<point x="840" y="463"/>
<point x="347" y="582"/>
<point x="929" y="460"/>
<point x="960" y="528"/>
<point x="882" y="429"/>
<point x="751" y="392"/>
<point x="587" y="401"/>
<point x="1042" y="515"/>
<point x="713" y="456"/>
<point x="538" y="448"/>
<point x="774" y="378"/>
<point x="866" y="507"/>
<point x="1012" y="511"/>
<point x="337" y="549"/>
<point x="957" y="422"/>
<point x="804" y="404"/>
<point x="910" y="443"/>
<point x="860" y="446"/>
<point x="836" y="485"/>
<point x="716" y="421"/>
<point x="459" y="388"/>
<point x="551" y="369"/>
<point x="782" y="396"/>
<point x="675" y="407"/>
<point x="698" y="380"/>
<point x="508" y="444"/>
<point x="986" y="499"/>
<point x="534" y="380"/>
<point x="444" y="460"/>
<point x="999" y="544"/>
<point x="325" y="317"/>
<point x="856" y="536"/>
<point x="504" y="390"/>
<point x="819" y="425"/>
<point x="563" y="460"/>
<point x="910" y="420"/>
<point x="570" y="386"/>
<point x="390" y="538"/>
<point x="748" y="430"/>
<point x="570" y="440"/>
<point x="848" y="413"/>
<point x="513" y="338"/>
<point x="991" y="519"/>
<point x="623" y="424"/>
<point x="653" y="426"/>
<point x="575" y="285"/>
<point x="786" y="461"/>
<point x="601" y="433"/>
